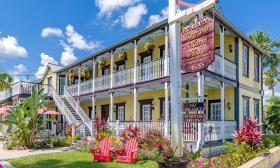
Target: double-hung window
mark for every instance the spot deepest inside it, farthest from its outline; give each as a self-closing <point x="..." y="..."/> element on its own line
<point x="256" y="68"/>
<point x="246" y="104"/>
<point x="245" y="61"/>
<point x="256" y="109"/>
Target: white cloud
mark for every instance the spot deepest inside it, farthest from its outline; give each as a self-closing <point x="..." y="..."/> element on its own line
<point x="78" y="41"/>
<point x="49" y="31"/>
<point x="106" y="7"/>
<point x="9" y="48"/>
<point x="133" y="15"/>
<point x="67" y="56"/>
<point x="17" y="70"/>
<point x="157" y="18"/>
<point x="45" y="60"/>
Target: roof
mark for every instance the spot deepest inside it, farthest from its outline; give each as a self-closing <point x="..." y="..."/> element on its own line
<point x="53" y="67"/>
<point x="157" y="26"/>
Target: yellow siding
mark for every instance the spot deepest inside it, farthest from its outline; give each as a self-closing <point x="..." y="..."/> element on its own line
<point x="54" y="78"/>
<point x="245" y="80"/>
<point x="229" y="40"/>
<point x="252" y="96"/>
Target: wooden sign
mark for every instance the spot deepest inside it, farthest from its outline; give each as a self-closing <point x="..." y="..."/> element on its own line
<point x="198" y="45"/>
<point x="195" y="107"/>
<point x="195" y="118"/>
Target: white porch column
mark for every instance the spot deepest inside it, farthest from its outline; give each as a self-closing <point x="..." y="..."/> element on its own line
<point x="175" y="80"/>
<point x="222" y="53"/>
<point x="112" y="69"/>
<point x="223" y="109"/>
<point x="79" y="80"/>
<point x="166" y="110"/>
<point x="135" y="81"/>
<point x="201" y="136"/>
<point x="93" y="74"/>
<point x="66" y="78"/>
<point x="93" y="108"/>
<point x="111" y="106"/>
<point x="135" y="104"/>
<point x="166" y="95"/>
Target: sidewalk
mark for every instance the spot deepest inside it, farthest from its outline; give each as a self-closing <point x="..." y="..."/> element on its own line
<point x="11" y="154"/>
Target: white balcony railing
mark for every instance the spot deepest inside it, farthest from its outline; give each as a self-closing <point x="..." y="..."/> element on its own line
<point x="18" y="88"/>
<point x="145" y="72"/>
<point x="189" y="132"/>
<point x="230" y="67"/>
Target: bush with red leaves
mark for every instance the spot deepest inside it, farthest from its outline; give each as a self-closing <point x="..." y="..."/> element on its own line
<point x="129" y="133"/>
<point x="249" y="133"/>
<point x="100" y="125"/>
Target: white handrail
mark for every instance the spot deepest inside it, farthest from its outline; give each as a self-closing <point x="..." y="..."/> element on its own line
<point x="79" y="110"/>
<point x="62" y="107"/>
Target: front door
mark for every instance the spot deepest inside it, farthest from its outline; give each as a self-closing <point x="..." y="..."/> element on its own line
<point x="146" y="68"/>
<point x="105" y="112"/>
<point x="215" y="111"/>
<point x="62" y="82"/>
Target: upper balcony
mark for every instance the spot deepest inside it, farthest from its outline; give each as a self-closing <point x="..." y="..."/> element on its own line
<point x="145" y="72"/>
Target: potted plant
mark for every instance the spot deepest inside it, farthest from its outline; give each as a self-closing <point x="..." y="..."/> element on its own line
<point x="85" y="72"/>
<point x="166" y="157"/>
<point x="122" y="55"/>
<point x="71" y="75"/>
<point x="148" y="46"/>
<point x="101" y="61"/>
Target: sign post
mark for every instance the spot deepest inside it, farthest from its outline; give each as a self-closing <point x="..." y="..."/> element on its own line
<point x="175" y="19"/>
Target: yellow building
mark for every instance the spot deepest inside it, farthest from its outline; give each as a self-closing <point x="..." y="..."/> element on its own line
<point x="128" y="83"/>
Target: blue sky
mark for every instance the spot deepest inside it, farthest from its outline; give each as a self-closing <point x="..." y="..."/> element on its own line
<point x="36" y="32"/>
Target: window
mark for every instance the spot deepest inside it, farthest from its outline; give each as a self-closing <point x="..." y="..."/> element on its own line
<point x="146" y="108"/>
<point x="256" y="68"/>
<point x="256" y="109"/>
<point x="215" y="111"/>
<point x="246" y="102"/>
<point x="120" y="112"/>
<point x="245" y="61"/>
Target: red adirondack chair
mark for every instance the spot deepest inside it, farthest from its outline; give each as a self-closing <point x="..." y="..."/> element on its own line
<point x="104" y="151"/>
<point x="129" y="152"/>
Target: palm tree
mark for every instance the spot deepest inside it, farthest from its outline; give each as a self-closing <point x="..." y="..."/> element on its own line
<point x="271" y="79"/>
<point x="5" y="81"/>
<point x="272" y="118"/>
<point x="270" y="47"/>
<point x="271" y="57"/>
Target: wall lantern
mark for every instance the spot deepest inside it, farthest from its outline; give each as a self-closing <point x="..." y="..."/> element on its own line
<point x="228" y="106"/>
<point x="230" y="48"/>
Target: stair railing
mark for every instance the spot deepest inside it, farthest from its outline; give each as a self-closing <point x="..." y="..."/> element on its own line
<point x="79" y="110"/>
<point x="62" y="107"/>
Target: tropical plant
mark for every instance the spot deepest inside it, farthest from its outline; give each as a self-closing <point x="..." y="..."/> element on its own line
<point x="271" y="79"/>
<point x="165" y="153"/>
<point x="129" y="133"/>
<point x="269" y="46"/>
<point x="25" y="117"/>
<point x="271" y="57"/>
<point x="5" y="81"/>
<point x="272" y="118"/>
<point x="249" y="133"/>
<point x="151" y="138"/>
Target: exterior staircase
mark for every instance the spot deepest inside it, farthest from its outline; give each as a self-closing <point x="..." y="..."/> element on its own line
<point x="77" y="117"/>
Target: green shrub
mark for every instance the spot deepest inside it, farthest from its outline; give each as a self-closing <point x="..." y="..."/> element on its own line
<point x="270" y="141"/>
<point x="151" y="139"/>
<point x="144" y="154"/>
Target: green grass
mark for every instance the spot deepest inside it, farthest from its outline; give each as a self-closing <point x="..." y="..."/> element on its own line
<point x="72" y="160"/>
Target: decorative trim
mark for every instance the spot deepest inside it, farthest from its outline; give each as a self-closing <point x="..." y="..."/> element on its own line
<point x="249" y="88"/>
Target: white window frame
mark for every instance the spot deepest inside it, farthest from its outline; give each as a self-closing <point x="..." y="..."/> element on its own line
<point x="246" y="108"/>
<point x="245" y="61"/>
<point x="215" y="111"/>
<point x="256" y="68"/>
<point x="146" y="115"/>
<point x="121" y="112"/>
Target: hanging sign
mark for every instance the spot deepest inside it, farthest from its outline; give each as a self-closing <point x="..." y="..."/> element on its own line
<point x="198" y="45"/>
<point x="195" y="118"/>
<point x="195" y="107"/>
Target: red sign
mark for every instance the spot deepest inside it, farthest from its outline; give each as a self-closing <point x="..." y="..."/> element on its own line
<point x="195" y="118"/>
<point x="198" y="45"/>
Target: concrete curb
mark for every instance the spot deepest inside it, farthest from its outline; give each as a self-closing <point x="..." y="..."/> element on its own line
<point x="267" y="160"/>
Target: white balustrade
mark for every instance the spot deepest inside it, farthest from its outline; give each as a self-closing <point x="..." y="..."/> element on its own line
<point x="63" y="108"/>
<point x="151" y="70"/>
<point x="86" y="87"/>
<point x="123" y="77"/>
<point x="190" y="130"/>
<point x="230" y="67"/>
<point x="103" y="82"/>
<point x="86" y="120"/>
